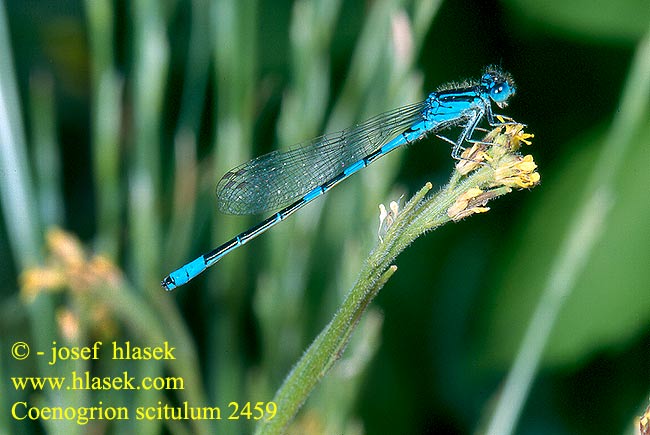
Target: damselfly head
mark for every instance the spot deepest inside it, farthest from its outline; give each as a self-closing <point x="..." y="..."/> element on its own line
<point x="498" y="84"/>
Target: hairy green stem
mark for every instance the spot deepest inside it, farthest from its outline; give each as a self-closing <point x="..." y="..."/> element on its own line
<point x="419" y="215"/>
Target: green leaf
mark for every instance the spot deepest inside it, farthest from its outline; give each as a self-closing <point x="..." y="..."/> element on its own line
<point x="622" y="21"/>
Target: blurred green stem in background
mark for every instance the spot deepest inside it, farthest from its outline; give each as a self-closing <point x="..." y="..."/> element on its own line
<point x="582" y="234"/>
<point x="18" y="200"/>
<point x="234" y="35"/>
<point x="106" y="106"/>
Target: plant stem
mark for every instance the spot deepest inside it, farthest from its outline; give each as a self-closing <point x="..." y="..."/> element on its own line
<point x="419" y="215"/>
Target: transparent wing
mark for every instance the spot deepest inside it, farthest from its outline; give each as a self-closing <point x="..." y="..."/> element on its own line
<point x="277" y="179"/>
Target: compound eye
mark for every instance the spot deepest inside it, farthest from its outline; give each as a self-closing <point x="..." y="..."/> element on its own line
<point x="500" y="92"/>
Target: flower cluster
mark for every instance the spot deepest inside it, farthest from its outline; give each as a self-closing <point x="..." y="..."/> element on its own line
<point x="505" y="168"/>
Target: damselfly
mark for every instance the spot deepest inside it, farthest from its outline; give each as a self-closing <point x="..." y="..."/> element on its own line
<point x="288" y="180"/>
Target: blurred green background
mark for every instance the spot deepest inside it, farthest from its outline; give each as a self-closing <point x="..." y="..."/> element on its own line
<point x="118" y="118"/>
